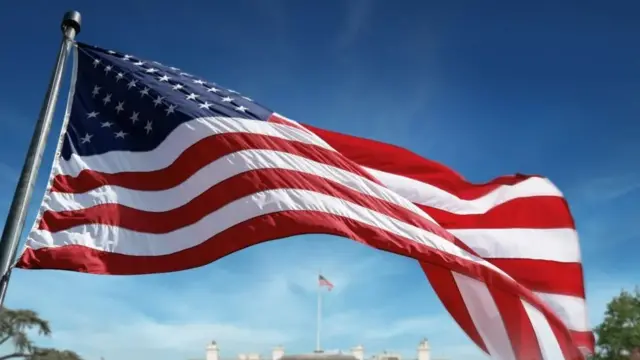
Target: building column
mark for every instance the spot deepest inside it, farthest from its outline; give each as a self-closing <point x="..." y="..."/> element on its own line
<point x="423" y="350"/>
<point x="213" y="353"/>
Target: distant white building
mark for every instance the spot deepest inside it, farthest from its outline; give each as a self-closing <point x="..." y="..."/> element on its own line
<point x="423" y="352"/>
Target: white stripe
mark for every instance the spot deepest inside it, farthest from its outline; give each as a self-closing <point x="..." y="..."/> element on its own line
<point x="517" y="243"/>
<point x="125" y="241"/>
<point x="178" y="141"/>
<point x="297" y="125"/>
<point x="571" y="310"/>
<point x="549" y="346"/>
<point x="429" y="195"/>
<point x="485" y="316"/>
<point x="215" y="173"/>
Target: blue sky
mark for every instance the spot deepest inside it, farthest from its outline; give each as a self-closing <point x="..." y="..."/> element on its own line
<point x="549" y="88"/>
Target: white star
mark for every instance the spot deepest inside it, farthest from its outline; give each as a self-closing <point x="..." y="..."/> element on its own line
<point x="177" y="86"/>
<point x="227" y="99"/>
<point x="246" y="98"/>
<point x="95" y="91"/>
<point x="148" y="127"/>
<point x="157" y="63"/>
<point x="120" y="134"/>
<point x="241" y="108"/>
<point x="107" y="69"/>
<point x="170" y="109"/>
<point x="111" y="52"/>
<point x="192" y="96"/>
<point x="131" y="84"/>
<point x="213" y="90"/>
<point x="158" y="101"/>
<point x="96" y="62"/>
<point x="120" y="107"/>
<point x="139" y="63"/>
<point x="232" y="91"/>
<point x="86" y="138"/>
<point x="164" y="78"/>
<point x="106" y="124"/>
<point x="184" y="74"/>
<point x="126" y="57"/>
<point x="151" y="70"/>
<point x="144" y="92"/>
<point x="119" y="76"/>
<point x="134" y="117"/>
<point x="92" y="114"/>
<point x="206" y="105"/>
<point x="198" y="82"/>
<point x="174" y="68"/>
<point x="107" y="99"/>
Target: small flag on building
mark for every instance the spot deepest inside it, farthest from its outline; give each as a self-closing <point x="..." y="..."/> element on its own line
<point x="322" y="281"/>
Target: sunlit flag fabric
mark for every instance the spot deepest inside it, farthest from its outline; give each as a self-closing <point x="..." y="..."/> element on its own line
<point x="158" y="170"/>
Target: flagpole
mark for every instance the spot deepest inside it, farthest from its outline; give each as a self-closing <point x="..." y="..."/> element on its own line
<point x="319" y="314"/>
<point x="14" y="224"/>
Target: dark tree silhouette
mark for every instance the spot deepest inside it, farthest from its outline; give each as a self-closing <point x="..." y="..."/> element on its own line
<point x="14" y="328"/>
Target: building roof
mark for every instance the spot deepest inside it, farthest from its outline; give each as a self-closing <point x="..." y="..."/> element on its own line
<point x="318" y="356"/>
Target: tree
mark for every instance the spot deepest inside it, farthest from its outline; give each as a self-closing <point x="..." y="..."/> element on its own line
<point x="15" y="326"/>
<point x="619" y="333"/>
<point x="52" y="354"/>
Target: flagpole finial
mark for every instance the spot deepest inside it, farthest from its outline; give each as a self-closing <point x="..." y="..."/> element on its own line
<point x="71" y="19"/>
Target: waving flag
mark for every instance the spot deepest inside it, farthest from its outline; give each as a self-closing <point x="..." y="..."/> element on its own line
<point x="158" y="170"/>
<point x="521" y="224"/>
<point x="322" y="281"/>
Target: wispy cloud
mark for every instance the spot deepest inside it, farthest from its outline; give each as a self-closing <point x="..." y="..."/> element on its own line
<point x="608" y="188"/>
<point x="358" y="15"/>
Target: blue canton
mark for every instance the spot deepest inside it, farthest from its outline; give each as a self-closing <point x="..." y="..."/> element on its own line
<point x="122" y="102"/>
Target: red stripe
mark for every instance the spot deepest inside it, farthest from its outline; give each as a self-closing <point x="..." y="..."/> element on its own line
<point x="518" y="325"/>
<point x="444" y="285"/>
<point x="279" y="119"/>
<point x="533" y="212"/>
<point x="221" y="194"/>
<point x="567" y="345"/>
<point x="544" y="276"/>
<point x="584" y="339"/>
<point x="397" y="160"/>
<point x="265" y="228"/>
<point x="538" y="212"/>
<point x="196" y="157"/>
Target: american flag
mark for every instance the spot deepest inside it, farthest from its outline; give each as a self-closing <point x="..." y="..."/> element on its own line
<point x="322" y="281"/>
<point x="158" y="170"/>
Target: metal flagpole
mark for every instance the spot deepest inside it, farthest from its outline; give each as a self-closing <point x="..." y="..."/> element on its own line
<point x="319" y="315"/>
<point x="18" y="211"/>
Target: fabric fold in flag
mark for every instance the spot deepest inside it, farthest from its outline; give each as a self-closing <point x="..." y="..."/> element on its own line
<point x="159" y="170"/>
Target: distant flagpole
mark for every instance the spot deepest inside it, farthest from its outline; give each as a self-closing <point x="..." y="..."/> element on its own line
<point x="319" y="314"/>
<point x="20" y="204"/>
